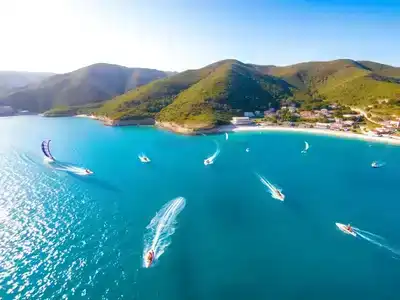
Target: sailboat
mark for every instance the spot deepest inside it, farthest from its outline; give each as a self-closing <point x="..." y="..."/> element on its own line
<point x="306" y="147"/>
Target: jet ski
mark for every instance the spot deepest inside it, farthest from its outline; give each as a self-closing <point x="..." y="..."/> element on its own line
<point x="346" y="229"/>
<point x="149" y="259"/>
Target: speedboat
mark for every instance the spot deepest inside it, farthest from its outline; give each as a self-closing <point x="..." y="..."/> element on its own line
<point x="149" y="258"/>
<point x="374" y="164"/>
<point x="88" y="172"/>
<point x="278" y="194"/>
<point x="208" y="161"/>
<point x="144" y="159"/>
<point x="346" y="229"/>
<point x="247" y="149"/>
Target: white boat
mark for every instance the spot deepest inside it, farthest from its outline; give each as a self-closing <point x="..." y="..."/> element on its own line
<point x="143" y="158"/>
<point x="149" y="259"/>
<point x="344" y="228"/>
<point x="208" y="161"/>
<point x="247" y="149"/>
<point x="88" y="172"/>
<point x="278" y="195"/>
<point x="226" y="136"/>
<point x="306" y="147"/>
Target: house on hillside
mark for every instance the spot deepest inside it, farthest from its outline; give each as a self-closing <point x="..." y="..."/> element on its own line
<point x="395" y="124"/>
<point x="351" y="116"/>
<point x="333" y="106"/>
<point x="336" y="126"/>
<point x="384" y="130"/>
<point x="241" y="121"/>
<point x="306" y="114"/>
<point x="324" y="111"/>
<point x="292" y="109"/>
<point x="348" y="123"/>
<point x="322" y="125"/>
<point x="269" y="113"/>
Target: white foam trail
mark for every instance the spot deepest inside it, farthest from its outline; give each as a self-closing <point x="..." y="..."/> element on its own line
<point x="226" y="136"/>
<point x="213" y="157"/>
<point x="373" y="239"/>
<point x="380" y="164"/>
<point x="68" y="168"/>
<point x="272" y="189"/>
<point x="161" y="227"/>
<point x="368" y="233"/>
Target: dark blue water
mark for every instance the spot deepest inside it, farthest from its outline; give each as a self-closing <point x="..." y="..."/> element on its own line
<point x="81" y="237"/>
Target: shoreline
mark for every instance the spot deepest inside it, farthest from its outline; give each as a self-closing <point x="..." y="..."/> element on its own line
<point x="340" y="134"/>
<point x="232" y="128"/>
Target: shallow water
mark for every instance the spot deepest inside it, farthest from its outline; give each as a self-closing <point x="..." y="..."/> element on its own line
<point x="65" y="235"/>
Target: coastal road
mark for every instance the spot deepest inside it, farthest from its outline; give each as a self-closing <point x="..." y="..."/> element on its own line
<point x="365" y="114"/>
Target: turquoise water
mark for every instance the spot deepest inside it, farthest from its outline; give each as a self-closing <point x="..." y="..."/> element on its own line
<point x="63" y="235"/>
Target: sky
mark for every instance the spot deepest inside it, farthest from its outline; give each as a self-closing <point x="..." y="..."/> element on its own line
<point x="174" y="35"/>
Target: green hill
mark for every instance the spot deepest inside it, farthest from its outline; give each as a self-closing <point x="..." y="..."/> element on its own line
<point x="211" y="95"/>
<point x="148" y="100"/>
<point x="91" y="84"/>
<point x="229" y="90"/>
<point x="343" y="81"/>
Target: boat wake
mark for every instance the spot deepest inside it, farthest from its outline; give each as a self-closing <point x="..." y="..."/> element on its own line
<point x="69" y="168"/>
<point x="61" y="166"/>
<point x="376" y="240"/>
<point x="161" y="227"/>
<point x="275" y="192"/>
<point x="210" y="160"/>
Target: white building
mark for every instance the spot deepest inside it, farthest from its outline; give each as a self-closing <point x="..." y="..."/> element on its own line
<point x="322" y="125"/>
<point x="348" y="123"/>
<point x="351" y="116"/>
<point x="241" y="121"/>
<point x="324" y="111"/>
<point x="249" y="114"/>
<point x="395" y="124"/>
<point x="292" y="109"/>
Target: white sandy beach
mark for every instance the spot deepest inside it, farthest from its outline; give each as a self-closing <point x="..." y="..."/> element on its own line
<point x="340" y="134"/>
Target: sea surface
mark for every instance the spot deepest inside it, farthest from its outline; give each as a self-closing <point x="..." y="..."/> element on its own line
<point x="65" y="236"/>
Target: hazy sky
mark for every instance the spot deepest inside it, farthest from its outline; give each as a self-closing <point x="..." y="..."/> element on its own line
<point x="63" y="35"/>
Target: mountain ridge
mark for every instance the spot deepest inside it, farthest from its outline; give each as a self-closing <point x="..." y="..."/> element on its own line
<point x="91" y="84"/>
<point x="209" y="96"/>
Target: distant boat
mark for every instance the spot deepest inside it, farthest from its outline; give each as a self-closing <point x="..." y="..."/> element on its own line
<point x="226" y="136"/>
<point x="46" y="150"/>
<point x="376" y="164"/>
<point x="62" y="166"/>
<point x="143" y="158"/>
<point x="306" y="147"/>
<point x="210" y="160"/>
<point x="346" y="229"/>
<point x="247" y="149"/>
